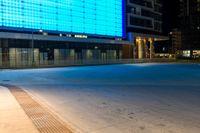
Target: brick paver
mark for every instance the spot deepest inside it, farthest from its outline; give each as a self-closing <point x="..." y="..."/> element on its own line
<point x="43" y="120"/>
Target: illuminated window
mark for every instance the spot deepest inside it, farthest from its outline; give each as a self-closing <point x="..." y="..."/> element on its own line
<point x="98" y="17"/>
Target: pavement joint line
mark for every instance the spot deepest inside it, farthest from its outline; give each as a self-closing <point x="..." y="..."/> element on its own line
<point x="42" y="119"/>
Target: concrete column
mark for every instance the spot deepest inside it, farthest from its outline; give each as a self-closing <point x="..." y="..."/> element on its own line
<point x="71" y="54"/>
<point x="140" y="49"/>
<point x="134" y="48"/>
<point x="145" y="49"/>
<point x="152" y="50"/>
<point x="89" y="54"/>
<point x="12" y="57"/>
<point x="36" y="56"/>
<point x="132" y="45"/>
<point x="56" y="56"/>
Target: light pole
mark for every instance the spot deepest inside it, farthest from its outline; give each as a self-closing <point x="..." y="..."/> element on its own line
<point x="32" y="48"/>
<point x="32" y="45"/>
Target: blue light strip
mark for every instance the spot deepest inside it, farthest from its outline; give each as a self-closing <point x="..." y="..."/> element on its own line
<point x="123" y="18"/>
<point x="96" y="17"/>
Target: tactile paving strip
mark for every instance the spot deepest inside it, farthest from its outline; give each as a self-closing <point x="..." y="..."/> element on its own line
<point x="43" y="120"/>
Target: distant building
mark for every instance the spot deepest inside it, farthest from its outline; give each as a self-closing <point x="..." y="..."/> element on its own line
<point x="190" y="28"/>
<point x="175" y="41"/>
<point x="144" y="27"/>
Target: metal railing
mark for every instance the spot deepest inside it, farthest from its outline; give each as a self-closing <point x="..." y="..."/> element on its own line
<point x="63" y="63"/>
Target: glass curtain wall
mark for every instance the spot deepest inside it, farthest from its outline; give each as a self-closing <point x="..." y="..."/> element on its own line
<point x="95" y="17"/>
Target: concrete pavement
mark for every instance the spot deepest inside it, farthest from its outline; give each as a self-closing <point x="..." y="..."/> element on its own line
<point x="143" y="98"/>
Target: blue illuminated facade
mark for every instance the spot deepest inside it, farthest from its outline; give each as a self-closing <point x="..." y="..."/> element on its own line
<point x="90" y="17"/>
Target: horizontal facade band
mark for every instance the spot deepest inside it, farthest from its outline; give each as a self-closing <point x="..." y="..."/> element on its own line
<point x="25" y="36"/>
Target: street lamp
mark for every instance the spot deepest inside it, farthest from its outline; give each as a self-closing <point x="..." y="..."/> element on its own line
<point x="32" y="44"/>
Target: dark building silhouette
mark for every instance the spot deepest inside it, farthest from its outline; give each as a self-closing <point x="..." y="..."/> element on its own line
<point x="171" y="11"/>
<point x="190" y="28"/>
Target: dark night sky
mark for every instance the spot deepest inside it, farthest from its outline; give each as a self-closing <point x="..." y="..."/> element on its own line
<point x="170" y="15"/>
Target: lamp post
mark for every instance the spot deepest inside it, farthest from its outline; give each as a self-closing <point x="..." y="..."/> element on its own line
<point x="32" y="48"/>
<point x="32" y="45"/>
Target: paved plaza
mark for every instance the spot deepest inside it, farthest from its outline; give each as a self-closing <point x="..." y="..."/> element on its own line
<point x="132" y="98"/>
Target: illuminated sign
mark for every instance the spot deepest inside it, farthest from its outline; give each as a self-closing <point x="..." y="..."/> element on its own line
<point x="95" y="17"/>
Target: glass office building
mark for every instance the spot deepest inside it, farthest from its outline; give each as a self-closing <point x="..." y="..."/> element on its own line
<point x="40" y="31"/>
<point x="95" y="17"/>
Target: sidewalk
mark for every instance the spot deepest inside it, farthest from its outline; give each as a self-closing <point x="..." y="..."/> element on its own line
<point x="12" y="117"/>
